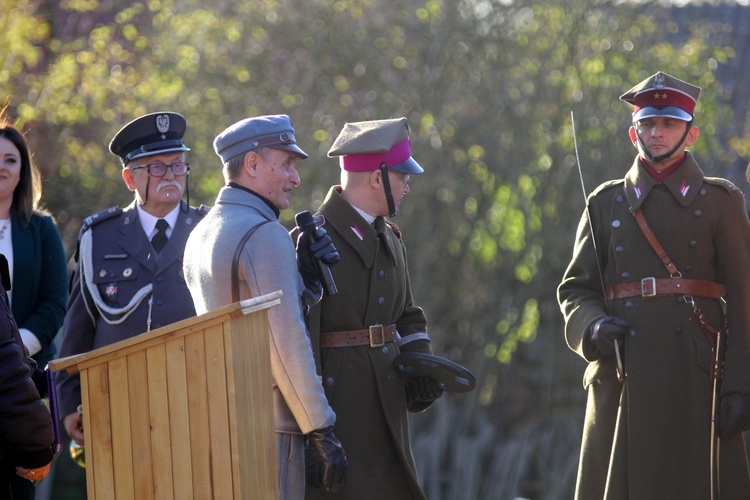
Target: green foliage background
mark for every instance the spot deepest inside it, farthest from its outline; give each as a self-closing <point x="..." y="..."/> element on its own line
<point x="488" y="87"/>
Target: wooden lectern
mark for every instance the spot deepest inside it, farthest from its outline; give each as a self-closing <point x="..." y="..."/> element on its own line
<point x="184" y="411"/>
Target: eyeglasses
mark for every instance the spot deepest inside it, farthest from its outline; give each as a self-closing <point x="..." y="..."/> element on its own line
<point x="160" y="169"/>
<point x="404" y="178"/>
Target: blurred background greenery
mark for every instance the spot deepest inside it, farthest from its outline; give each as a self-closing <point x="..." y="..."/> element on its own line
<point x="488" y="87"/>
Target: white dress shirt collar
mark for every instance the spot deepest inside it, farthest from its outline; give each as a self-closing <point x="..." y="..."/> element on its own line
<point x="148" y="221"/>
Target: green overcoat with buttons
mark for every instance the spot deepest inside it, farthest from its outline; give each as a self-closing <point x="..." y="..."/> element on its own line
<point x="360" y="383"/>
<point x="650" y="436"/>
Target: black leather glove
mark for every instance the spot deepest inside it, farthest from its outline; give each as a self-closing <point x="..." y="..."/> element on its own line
<point x="606" y="331"/>
<point x="734" y="416"/>
<point x="423" y="390"/>
<point x="308" y="252"/>
<point x="323" y="248"/>
<point x="325" y="460"/>
<point x="306" y="264"/>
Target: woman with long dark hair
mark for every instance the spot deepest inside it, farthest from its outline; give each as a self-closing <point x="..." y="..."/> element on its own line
<point x="31" y="243"/>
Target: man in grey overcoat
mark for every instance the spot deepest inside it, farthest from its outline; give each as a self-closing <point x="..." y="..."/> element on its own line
<point x="259" y="156"/>
<point x="666" y="275"/>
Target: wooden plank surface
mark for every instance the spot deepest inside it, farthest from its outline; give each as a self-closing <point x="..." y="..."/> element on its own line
<point x="182" y="471"/>
<point x="140" y="425"/>
<point x="253" y="395"/>
<point x="87" y="432"/>
<point x="237" y="484"/>
<point x="218" y="414"/>
<point x="122" y="451"/>
<point x="158" y="408"/>
<point x="98" y="434"/>
<point x="200" y="443"/>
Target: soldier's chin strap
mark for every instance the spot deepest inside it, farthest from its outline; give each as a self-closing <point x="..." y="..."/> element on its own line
<point x="187" y="191"/>
<point x="148" y="183"/>
<point x="387" y="189"/>
<point x="660" y="158"/>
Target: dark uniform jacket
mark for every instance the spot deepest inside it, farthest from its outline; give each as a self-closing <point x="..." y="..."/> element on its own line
<point x="134" y="288"/>
<point x="653" y="432"/>
<point x="40" y="281"/>
<point x="26" y="432"/>
<point x="362" y="387"/>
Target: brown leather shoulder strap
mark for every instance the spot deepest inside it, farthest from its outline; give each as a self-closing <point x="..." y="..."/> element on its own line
<point x="654" y="242"/>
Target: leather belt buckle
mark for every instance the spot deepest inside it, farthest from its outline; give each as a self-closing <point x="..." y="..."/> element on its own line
<point x="377" y="329"/>
<point x="648" y="287"/>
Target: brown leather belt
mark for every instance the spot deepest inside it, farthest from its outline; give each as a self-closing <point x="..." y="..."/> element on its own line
<point x="374" y="336"/>
<point x="653" y="287"/>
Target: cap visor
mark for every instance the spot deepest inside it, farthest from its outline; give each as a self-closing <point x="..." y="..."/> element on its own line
<point x="409" y="166"/>
<point x="452" y="376"/>
<point x="662" y="112"/>
<point x="291" y="148"/>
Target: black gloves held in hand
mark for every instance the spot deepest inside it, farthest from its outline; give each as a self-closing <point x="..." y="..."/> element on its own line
<point x="323" y="249"/>
<point x="423" y="390"/>
<point x="308" y="252"/>
<point x="606" y="331"/>
<point x="734" y="416"/>
<point x="325" y="460"/>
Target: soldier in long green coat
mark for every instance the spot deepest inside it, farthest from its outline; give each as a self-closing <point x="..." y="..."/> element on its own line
<point x="357" y="332"/>
<point x="651" y="435"/>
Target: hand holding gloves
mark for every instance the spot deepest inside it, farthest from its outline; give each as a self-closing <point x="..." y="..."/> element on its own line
<point x="423" y="390"/>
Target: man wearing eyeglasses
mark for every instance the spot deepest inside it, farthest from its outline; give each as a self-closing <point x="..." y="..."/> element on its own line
<point x="128" y="276"/>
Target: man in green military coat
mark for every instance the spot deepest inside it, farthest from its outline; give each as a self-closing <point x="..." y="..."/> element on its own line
<point x="357" y="332"/>
<point x="656" y="297"/>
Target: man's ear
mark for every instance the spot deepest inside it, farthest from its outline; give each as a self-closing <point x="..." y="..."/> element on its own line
<point x="127" y="176"/>
<point x="633" y="136"/>
<point x="692" y="136"/>
<point x="376" y="179"/>
<point x="250" y="164"/>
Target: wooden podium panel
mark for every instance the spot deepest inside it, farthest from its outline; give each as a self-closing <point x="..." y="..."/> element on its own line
<point x="184" y="411"/>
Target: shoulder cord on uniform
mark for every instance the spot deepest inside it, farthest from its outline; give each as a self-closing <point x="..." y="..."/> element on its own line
<point x="87" y="267"/>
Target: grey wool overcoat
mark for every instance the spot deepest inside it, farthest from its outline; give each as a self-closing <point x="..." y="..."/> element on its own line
<point x="267" y="263"/>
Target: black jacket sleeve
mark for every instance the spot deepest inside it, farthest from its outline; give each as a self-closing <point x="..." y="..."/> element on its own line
<point x="26" y="432"/>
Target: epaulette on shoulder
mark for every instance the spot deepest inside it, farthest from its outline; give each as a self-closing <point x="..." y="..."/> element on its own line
<point x="721" y="182"/>
<point x="607" y="185"/>
<point x="100" y="217"/>
<point x="93" y="220"/>
<point x="203" y="210"/>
